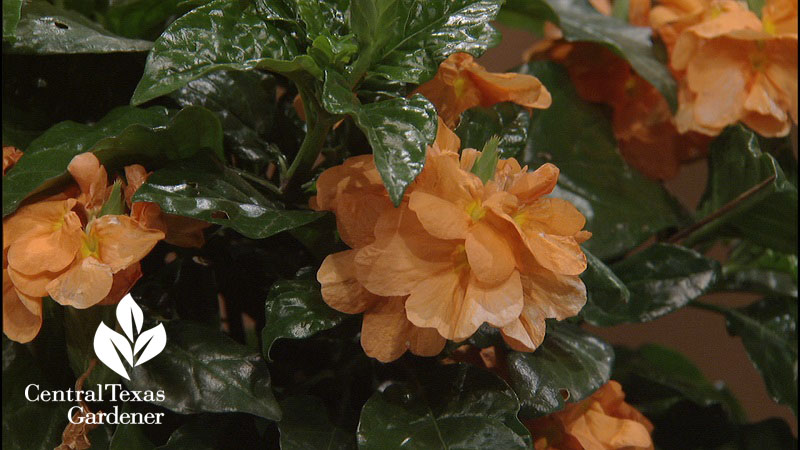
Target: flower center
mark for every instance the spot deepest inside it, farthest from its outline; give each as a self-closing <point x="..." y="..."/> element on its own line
<point x="90" y="246"/>
<point x="460" y="85"/>
<point x="460" y="261"/>
<point x="475" y="210"/>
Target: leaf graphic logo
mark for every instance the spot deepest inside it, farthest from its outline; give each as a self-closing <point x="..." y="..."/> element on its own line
<point x="109" y="345"/>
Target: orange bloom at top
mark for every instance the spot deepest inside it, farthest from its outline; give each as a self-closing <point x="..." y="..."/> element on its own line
<point x="457" y="252"/>
<point x="734" y="67"/>
<point x="601" y="422"/>
<point x="461" y="84"/>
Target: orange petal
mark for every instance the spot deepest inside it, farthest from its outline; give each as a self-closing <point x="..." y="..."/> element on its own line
<point x="446" y="139"/>
<point x="596" y="430"/>
<point x="91" y="177"/>
<point x="555" y="216"/>
<point x="135" y="175"/>
<point x="498" y="305"/>
<point x="124" y="280"/>
<point x="340" y="288"/>
<point x="438" y="302"/>
<point x="32" y="285"/>
<point x="85" y="284"/>
<point x="525" y="90"/>
<point x="10" y="157"/>
<point x="385" y="331"/>
<point x="561" y="254"/>
<point x="22" y="315"/>
<point x="35" y="219"/>
<point x="442" y="219"/>
<point x="402" y="255"/>
<point x="553" y="296"/>
<point x="533" y="185"/>
<point x="425" y="341"/>
<point x="122" y="241"/>
<point x="356" y="216"/>
<point x="489" y="254"/>
<point x="184" y="231"/>
<point x="51" y="251"/>
<point x="524" y="334"/>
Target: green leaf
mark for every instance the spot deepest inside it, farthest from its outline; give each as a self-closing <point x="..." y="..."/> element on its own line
<point x="142" y="19"/>
<point x="768" y="217"/>
<point x="115" y="205"/>
<point x="527" y="15"/>
<point x="28" y="425"/>
<point x="756" y="6"/>
<point x="453" y="406"/>
<point x="569" y="365"/>
<point x="371" y="19"/>
<point x="507" y="120"/>
<point x="608" y="300"/>
<point x="44" y="29"/>
<point x="205" y="189"/>
<point x="203" y="370"/>
<point x="662" y="279"/>
<point x="427" y="33"/>
<point x="486" y="164"/>
<point x="768" y="329"/>
<point x="129" y="436"/>
<point x="295" y="309"/>
<point x="11" y="15"/>
<point x="656" y="377"/>
<point x="756" y="269"/>
<point x="398" y="129"/>
<point x="80" y="326"/>
<point x="126" y="135"/>
<point x="577" y="137"/>
<point x="245" y="105"/>
<point x="220" y="35"/>
<point x="212" y="432"/>
<point x="580" y="22"/>
<point x="305" y="425"/>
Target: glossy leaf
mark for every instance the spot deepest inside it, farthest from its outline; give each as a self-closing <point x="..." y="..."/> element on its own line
<point x="206" y="190"/>
<point x="305" y="425"/>
<point x="454" y="406"/>
<point x="28" y="425"/>
<point x="427" y="33"/>
<point x="756" y="269"/>
<point x="203" y="370"/>
<point x="661" y="279"/>
<point x="768" y="217"/>
<point x="398" y="129"/>
<point x="569" y="365"/>
<point x="581" y="22"/>
<point x="219" y="35"/>
<point x="126" y="135"/>
<point x="212" y="432"/>
<point x="44" y="29"/>
<point x="507" y="120"/>
<point x="11" y="14"/>
<point x="768" y="329"/>
<point x="577" y="137"/>
<point x="142" y="19"/>
<point x="608" y="300"/>
<point x="245" y="105"/>
<point x="657" y="377"/>
<point x="295" y="309"/>
<point x="129" y="436"/>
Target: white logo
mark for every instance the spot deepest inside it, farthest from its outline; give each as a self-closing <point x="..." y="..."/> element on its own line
<point x="108" y="344"/>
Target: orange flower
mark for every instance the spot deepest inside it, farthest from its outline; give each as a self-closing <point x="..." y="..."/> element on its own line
<point x="22" y="314"/>
<point x="733" y="70"/>
<point x="51" y="252"/>
<point x="456" y="253"/>
<point x="780" y="17"/>
<point x="642" y="121"/>
<point x="601" y="422"/>
<point x="461" y="84"/>
<point x="179" y="230"/>
<point x="10" y="157"/>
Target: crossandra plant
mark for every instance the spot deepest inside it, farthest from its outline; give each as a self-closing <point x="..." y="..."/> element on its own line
<point x="308" y="224"/>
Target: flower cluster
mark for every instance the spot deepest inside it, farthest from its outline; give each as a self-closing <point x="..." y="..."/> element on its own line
<point x="456" y="253"/>
<point x="78" y="246"/>
<point x="707" y="41"/>
<point x="731" y="65"/>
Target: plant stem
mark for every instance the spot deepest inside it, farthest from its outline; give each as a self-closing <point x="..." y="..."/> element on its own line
<point x="688" y="231"/>
<point x="318" y="124"/>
